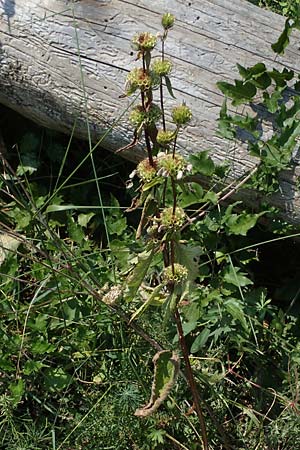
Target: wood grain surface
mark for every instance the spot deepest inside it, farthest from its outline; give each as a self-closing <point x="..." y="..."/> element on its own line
<point x="66" y="61"/>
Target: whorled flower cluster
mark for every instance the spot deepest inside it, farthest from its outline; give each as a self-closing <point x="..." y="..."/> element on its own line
<point x="172" y="220"/>
<point x="144" y="41"/>
<point x="138" y="116"/>
<point x="175" y="274"/>
<point x="138" y="78"/>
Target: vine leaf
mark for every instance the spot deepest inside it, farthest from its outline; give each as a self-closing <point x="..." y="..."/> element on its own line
<point x="166" y="368"/>
<point x="284" y="39"/>
<point x="238" y="92"/>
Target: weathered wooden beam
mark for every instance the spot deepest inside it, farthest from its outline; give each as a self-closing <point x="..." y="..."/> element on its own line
<point x="66" y="61"/>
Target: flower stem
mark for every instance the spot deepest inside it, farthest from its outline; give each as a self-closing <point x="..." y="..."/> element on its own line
<point x="191" y="379"/>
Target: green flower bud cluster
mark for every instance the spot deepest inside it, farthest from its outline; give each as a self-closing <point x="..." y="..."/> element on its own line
<point x="139" y="116"/>
<point x="181" y="115"/>
<point x="174" y="166"/>
<point x="175" y="274"/>
<point x="167" y="20"/>
<point x="165" y="137"/>
<point x="173" y="220"/>
<point x="140" y="79"/>
<point x="144" y="42"/>
<point x="162" y="68"/>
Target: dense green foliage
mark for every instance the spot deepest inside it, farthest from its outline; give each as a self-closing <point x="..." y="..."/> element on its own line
<point x="98" y="273"/>
<point x="289" y="8"/>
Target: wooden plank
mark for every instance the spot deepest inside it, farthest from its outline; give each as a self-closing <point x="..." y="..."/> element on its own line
<point x="63" y="61"/>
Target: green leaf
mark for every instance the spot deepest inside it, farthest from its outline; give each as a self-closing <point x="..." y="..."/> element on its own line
<point x="76" y="233"/>
<point x="153" y="299"/>
<point x="57" y="379"/>
<point x="40" y="346"/>
<point x="188" y="256"/>
<point x="166" y="368"/>
<point x="139" y="272"/>
<point x="191" y="193"/>
<point x="169" y="86"/>
<point x="271" y="101"/>
<point x="240" y="224"/>
<point x="17" y="390"/>
<point x="32" y="367"/>
<point x="233" y="276"/>
<point x="200" y="340"/>
<point x="235" y="309"/>
<point x="202" y="163"/>
<point x="83" y="219"/>
<point x="225" y="127"/>
<point x="283" y="41"/>
<point x="239" y="92"/>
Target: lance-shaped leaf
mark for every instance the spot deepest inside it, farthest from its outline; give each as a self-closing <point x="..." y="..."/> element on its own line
<point x="155" y="298"/>
<point x="166" y="368"/>
<point x="139" y="272"/>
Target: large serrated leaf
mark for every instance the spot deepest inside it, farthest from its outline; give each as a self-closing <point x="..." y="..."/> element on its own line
<point x="166" y="368"/>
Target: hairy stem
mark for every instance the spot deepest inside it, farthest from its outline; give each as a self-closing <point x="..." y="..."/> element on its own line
<point x="191" y="379"/>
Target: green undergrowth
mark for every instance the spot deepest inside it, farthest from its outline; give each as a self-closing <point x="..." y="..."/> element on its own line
<point x="288" y="8"/>
<point x="116" y="278"/>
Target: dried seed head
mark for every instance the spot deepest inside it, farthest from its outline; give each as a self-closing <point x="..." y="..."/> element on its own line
<point x="112" y="296"/>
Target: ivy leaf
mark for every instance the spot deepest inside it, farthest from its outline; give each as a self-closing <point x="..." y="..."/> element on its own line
<point x="281" y="78"/>
<point x="225" y="128"/>
<point x="271" y="101"/>
<point x="283" y="41"/>
<point x="191" y="193"/>
<point x="202" y="163"/>
<point x="239" y="92"/>
<point x="240" y="224"/>
<point x="166" y="368"/>
<point x="257" y="73"/>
